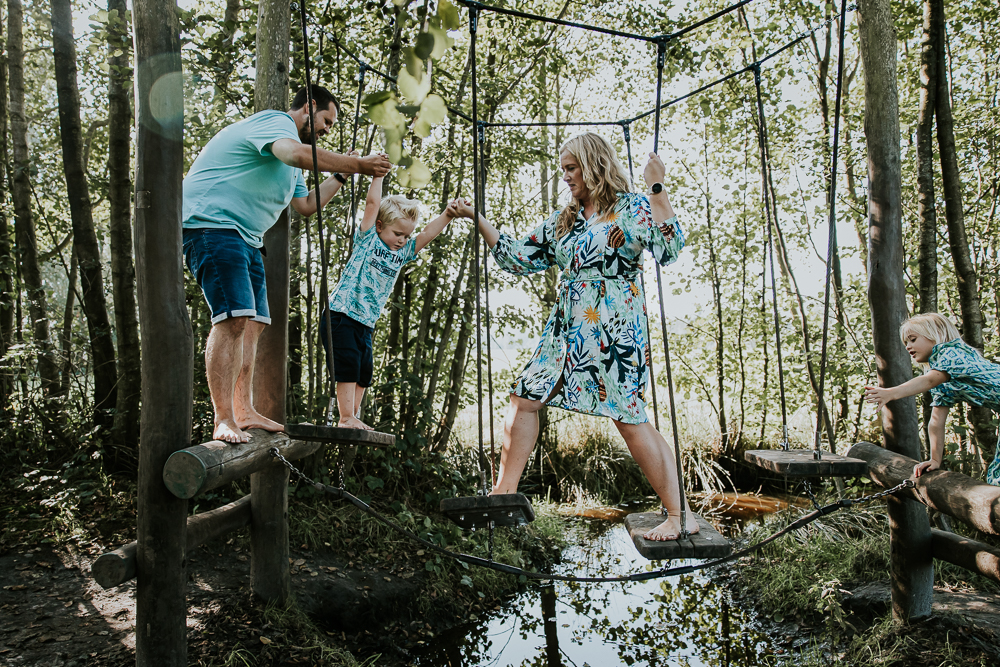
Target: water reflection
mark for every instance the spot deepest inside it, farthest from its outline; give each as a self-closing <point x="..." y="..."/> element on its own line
<point x="676" y="621"/>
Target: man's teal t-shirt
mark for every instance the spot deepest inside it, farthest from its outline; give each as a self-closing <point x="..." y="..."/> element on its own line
<point x="369" y="276"/>
<point x="237" y="183"/>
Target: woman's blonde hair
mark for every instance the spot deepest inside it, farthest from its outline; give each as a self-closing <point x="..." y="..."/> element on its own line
<point x="395" y="207"/>
<point x="934" y="327"/>
<point x="603" y="176"/>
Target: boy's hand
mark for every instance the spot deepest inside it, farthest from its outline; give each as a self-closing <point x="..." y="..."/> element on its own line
<point x="463" y="208"/>
<point x="452" y="210"/>
<point x="879" y="396"/>
<point x="925" y="466"/>
<point x="376" y="164"/>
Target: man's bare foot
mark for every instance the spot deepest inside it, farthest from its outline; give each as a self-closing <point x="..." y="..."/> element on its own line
<point x="256" y="420"/>
<point x="228" y="431"/>
<point x="670" y="529"/>
<point x="354" y="422"/>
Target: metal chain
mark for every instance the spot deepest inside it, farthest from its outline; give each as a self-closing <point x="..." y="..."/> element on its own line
<point x="638" y="576"/>
<point x="809" y="492"/>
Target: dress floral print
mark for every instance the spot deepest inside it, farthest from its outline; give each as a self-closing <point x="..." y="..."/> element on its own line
<point x="596" y="338"/>
<point x="972" y="379"/>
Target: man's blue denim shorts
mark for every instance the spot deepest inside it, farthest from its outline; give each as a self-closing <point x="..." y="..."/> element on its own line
<point x="230" y="272"/>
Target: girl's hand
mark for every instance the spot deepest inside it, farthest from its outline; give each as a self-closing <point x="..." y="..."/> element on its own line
<point x="925" y="466"/>
<point x="452" y="210"/>
<point x="655" y="171"/>
<point x="879" y="396"/>
<point x="463" y="208"/>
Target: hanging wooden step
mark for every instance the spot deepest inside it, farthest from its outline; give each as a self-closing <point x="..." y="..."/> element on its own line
<point x="802" y="463"/>
<point x="705" y="544"/>
<point x="510" y="509"/>
<point x="334" y="435"/>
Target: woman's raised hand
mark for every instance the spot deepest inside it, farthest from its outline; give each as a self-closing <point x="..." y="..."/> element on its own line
<point x="654" y="171"/>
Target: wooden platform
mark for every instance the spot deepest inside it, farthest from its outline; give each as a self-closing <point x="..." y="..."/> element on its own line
<point x="512" y="509"/>
<point x="706" y="543"/>
<point x="335" y="435"/>
<point x="800" y="463"/>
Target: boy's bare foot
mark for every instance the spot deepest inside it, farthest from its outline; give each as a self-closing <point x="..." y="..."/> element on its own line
<point x="228" y="431"/>
<point x="256" y="420"/>
<point x="354" y="422"/>
<point x="669" y="530"/>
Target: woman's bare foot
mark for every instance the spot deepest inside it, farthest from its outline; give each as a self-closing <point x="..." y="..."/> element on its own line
<point x="354" y="422"/>
<point x="669" y="530"/>
<point x="256" y="420"/>
<point x="228" y="431"/>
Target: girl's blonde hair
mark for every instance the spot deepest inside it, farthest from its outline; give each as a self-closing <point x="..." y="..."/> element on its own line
<point x="395" y="207"/>
<point x="934" y="327"/>
<point x="603" y="176"/>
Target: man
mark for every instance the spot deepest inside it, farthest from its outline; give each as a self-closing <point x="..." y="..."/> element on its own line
<point x="234" y="192"/>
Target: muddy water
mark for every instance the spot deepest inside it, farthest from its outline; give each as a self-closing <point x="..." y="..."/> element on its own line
<point x="685" y="620"/>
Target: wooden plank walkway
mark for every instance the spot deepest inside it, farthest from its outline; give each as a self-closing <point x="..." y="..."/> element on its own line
<point x="335" y="435"/>
<point x="706" y="543"/>
<point x="801" y="463"/>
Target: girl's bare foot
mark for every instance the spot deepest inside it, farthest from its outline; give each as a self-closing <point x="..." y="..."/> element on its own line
<point x="354" y="422"/>
<point x="228" y="431"/>
<point x="256" y="420"/>
<point x="670" y="529"/>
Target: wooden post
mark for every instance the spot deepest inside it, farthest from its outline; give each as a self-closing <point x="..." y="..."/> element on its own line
<point x="911" y="565"/>
<point x="168" y="348"/>
<point x="269" y="574"/>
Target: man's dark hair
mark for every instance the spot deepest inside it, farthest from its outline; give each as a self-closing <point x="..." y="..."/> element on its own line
<point x="321" y="96"/>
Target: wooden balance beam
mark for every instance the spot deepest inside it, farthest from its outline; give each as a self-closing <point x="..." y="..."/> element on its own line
<point x="200" y="468"/>
<point x="974" y="502"/>
<point x="116" y="567"/>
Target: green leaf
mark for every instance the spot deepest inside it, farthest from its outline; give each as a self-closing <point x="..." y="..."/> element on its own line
<point x="442" y="42"/>
<point x="416" y="175"/>
<point x="414" y="65"/>
<point x="425" y="45"/>
<point x="413" y="90"/>
<point x="377" y="98"/>
<point x="449" y="14"/>
<point x="386" y="115"/>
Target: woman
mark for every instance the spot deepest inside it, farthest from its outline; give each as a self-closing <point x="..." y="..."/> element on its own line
<point x="594" y="353"/>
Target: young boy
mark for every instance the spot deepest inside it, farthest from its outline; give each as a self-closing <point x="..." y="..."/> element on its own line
<point x="383" y="243"/>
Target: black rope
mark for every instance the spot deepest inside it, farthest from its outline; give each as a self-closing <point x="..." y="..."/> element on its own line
<point x="766" y="198"/>
<point x="660" y="61"/>
<point x="355" y="199"/>
<point x="476" y="193"/>
<point x="323" y="246"/>
<point x="637" y="576"/>
<point x="831" y="240"/>
<point x="656" y="39"/>
<point x="486" y="293"/>
<point x="627" y="132"/>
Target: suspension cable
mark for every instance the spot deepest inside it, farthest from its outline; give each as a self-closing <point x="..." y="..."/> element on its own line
<point x="831" y="243"/>
<point x="765" y="168"/>
<point x="627" y="132"/>
<point x="661" y="54"/>
<point x="805" y="520"/>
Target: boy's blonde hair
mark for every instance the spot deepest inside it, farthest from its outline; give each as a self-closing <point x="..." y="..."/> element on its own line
<point x="603" y="176"/>
<point x="934" y="327"/>
<point x="395" y="207"/>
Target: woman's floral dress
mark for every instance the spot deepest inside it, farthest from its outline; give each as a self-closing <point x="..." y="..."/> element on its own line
<point x="596" y="338"/>
<point x="972" y="379"/>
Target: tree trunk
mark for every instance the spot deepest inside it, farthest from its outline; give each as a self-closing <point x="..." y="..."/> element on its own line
<point x="965" y="269"/>
<point x="66" y="339"/>
<point x="24" y="226"/>
<point x="720" y="350"/>
<point x="926" y="207"/>
<point x="6" y="258"/>
<point x="161" y="609"/>
<point x="449" y="324"/>
<point x="910" y="562"/>
<point x="225" y="65"/>
<point x="85" y="245"/>
<point x="454" y="395"/>
<point x="270" y="579"/>
<point x="294" y="390"/>
<point x="120" y="229"/>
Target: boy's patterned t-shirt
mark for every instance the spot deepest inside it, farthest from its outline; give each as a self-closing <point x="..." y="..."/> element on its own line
<point x="972" y="378"/>
<point x="369" y="276"/>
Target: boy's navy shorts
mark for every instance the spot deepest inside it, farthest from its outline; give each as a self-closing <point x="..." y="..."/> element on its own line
<point x="229" y="271"/>
<point x="352" y="348"/>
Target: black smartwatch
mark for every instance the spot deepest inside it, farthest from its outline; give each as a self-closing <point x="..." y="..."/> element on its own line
<point x="656" y="188"/>
<point x="340" y="177"/>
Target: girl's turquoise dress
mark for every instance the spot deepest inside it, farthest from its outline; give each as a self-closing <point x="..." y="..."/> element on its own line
<point x="596" y="338"/>
<point x="972" y="379"/>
